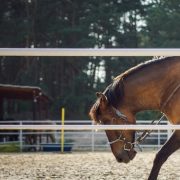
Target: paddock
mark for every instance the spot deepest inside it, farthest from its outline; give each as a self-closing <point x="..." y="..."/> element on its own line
<point x="86" y="165"/>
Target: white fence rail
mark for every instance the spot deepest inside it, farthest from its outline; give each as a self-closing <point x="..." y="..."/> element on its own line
<point x="80" y="139"/>
<point x="89" y="127"/>
<point x="89" y="52"/>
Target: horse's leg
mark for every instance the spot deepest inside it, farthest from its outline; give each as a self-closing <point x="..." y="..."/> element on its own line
<point x="171" y="146"/>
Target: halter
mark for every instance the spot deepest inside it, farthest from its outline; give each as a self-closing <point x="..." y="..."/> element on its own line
<point x="127" y="144"/>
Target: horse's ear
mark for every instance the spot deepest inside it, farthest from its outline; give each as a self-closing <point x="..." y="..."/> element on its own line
<point x="103" y="99"/>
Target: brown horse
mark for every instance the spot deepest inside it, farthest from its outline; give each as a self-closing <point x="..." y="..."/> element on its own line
<point x="153" y="85"/>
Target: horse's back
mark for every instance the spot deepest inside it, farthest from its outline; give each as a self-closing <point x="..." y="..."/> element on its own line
<point x="174" y="66"/>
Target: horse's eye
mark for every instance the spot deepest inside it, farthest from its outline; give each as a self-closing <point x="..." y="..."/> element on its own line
<point x="100" y="122"/>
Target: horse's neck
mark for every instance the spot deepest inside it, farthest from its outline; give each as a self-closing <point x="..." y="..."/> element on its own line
<point x="148" y="89"/>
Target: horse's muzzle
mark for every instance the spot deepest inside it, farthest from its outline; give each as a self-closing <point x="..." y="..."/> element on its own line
<point x="126" y="156"/>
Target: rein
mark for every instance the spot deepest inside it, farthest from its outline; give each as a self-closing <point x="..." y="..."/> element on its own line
<point x="128" y="146"/>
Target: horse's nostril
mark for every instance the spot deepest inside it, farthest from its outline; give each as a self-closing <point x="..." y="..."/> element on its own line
<point x="119" y="160"/>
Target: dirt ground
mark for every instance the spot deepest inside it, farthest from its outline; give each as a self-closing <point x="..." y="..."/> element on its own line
<point x="83" y="166"/>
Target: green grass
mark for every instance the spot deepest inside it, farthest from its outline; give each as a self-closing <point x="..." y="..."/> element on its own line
<point x="9" y="147"/>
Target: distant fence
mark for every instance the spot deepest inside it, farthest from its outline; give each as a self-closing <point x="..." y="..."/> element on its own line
<point x="79" y="140"/>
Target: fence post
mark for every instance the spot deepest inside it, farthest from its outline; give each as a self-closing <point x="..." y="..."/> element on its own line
<point x="62" y="130"/>
<point x="92" y="139"/>
<point x="169" y="131"/>
<point x="159" y="139"/>
<point x="20" y="137"/>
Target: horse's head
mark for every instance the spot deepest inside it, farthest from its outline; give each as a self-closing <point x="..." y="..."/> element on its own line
<point x="121" y="142"/>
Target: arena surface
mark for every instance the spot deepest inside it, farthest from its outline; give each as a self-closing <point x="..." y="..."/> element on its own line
<point x="83" y="166"/>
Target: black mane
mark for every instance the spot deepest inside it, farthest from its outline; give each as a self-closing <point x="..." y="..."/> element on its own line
<point x="115" y="92"/>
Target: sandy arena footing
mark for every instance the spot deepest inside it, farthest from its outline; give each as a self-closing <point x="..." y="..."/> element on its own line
<point x="83" y="166"/>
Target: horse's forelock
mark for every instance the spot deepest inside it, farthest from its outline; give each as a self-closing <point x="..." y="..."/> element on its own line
<point x="114" y="93"/>
<point x="94" y="111"/>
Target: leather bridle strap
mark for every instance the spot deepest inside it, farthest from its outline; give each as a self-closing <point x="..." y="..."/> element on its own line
<point x="147" y="132"/>
<point x="127" y="145"/>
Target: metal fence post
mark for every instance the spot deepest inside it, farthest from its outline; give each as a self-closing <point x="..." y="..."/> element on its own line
<point x="169" y="131"/>
<point x="92" y="139"/>
<point x="159" y="139"/>
<point x="20" y="138"/>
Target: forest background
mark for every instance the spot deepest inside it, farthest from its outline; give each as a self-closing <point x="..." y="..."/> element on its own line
<point x="71" y="82"/>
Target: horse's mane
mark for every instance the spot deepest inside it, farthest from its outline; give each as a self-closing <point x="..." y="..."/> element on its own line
<point x="115" y="91"/>
<point x="155" y="60"/>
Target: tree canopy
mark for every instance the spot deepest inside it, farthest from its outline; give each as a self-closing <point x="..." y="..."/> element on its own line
<point x="73" y="81"/>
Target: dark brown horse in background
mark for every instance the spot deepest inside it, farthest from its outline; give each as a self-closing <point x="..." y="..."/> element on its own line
<point x="153" y="85"/>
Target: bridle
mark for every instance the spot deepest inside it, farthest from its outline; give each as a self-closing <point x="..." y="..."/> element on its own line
<point x="128" y="146"/>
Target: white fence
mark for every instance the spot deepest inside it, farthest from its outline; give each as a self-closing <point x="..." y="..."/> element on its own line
<point x="79" y="140"/>
<point x="89" y="52"/>
<point x="89" y="127"/>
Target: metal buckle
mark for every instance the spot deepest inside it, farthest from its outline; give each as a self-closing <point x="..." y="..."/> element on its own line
<point x="126" y="148"/>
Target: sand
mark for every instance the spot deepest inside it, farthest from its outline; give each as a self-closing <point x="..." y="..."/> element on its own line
<point x="83" y="166"/>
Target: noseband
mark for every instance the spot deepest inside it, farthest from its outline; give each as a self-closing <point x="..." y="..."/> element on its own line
<point x="128" y="146"/>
